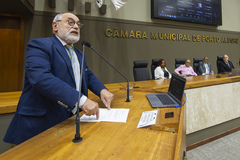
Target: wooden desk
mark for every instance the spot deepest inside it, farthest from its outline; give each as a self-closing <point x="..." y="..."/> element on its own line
<point x="115" y="140"/>
<point x="106" y="140"/>
<point x="9" y="101"/>
<point x="192" y="82"/>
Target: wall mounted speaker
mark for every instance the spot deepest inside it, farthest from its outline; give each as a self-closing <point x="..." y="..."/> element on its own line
<point x="103" y="9"/>
<point x="87" y="6"/>
<point x="52" y="3"/>
<point x="70" y="5"/>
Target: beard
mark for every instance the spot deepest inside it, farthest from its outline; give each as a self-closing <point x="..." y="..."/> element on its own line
<point x="68" y="37"/>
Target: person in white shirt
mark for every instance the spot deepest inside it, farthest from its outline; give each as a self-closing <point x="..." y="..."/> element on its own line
<point x="161" y="71"/>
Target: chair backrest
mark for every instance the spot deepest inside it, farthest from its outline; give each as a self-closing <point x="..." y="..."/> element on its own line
<point x="153" y="66"/>
<point x="219" y="59"/>
<point x="140" y="70"/>
<point x="179" y="62"/>
<point x="196" y="64"/>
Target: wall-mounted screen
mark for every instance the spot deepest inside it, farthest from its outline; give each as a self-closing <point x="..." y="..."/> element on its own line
<point x="196" y="11"/>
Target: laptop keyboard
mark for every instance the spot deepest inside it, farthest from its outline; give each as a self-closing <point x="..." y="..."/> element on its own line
<point x="165" y="99"/>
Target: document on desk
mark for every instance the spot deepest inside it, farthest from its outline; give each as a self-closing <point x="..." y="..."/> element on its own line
<point x="105" y="115"/>
<point x="148" y="118"/>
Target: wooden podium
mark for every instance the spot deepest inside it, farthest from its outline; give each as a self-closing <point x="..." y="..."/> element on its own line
<point x="167" y="120"/>
<point x="105" y="140"/>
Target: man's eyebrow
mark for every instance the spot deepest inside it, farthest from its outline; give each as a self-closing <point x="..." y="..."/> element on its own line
<point x="73" y="19"/>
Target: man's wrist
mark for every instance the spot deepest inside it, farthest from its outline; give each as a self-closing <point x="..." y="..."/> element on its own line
<point x="82" y="101"/>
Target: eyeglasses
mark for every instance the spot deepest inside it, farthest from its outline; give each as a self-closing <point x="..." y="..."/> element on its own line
<point x="71" y="22"/>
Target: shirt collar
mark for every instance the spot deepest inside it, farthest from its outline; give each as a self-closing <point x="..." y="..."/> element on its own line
<point x="63" y="43"/>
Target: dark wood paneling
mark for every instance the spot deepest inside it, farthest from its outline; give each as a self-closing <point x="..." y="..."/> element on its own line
<point x="11" y="53"/>
<point x="7" y="22"/>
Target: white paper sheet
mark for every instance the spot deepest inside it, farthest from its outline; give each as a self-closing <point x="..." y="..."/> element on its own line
<point x="105" y="115"/>
<point x="148" y="118"/>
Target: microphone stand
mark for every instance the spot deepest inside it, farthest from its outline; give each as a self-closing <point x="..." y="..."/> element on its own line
<point x="78" y="138"/>
<point x="127" y="100"/>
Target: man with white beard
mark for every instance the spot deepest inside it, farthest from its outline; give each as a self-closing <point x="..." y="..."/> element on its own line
<point x="52" y="79"/>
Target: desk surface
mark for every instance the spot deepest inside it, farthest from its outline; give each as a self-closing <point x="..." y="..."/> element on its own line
<point x="192" y="82"/>
<point x="9" y="100"/>
<point x="105" y="140"/>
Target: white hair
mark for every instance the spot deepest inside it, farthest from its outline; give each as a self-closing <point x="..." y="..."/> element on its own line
<point x="57" y="17"/>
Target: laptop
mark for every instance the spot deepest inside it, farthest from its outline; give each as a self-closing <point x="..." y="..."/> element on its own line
<point x="174" y="95"/>
<point x="235" y="72"/>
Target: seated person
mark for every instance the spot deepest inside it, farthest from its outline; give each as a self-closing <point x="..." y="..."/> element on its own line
<point x="225" y="65"/>
<point x="204" y="67"/>
<point x="161" y="70"/>
<point x="185" y="69"/>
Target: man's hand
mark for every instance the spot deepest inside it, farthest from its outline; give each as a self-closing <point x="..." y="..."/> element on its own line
<point x="106" y="98"/>
<point x="90" y="108"/>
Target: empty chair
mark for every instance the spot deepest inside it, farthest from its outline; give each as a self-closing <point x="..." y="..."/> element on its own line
<point x="140" y="70"/>
<point x="196" y="64"/>
<point x="153" y="66"/>
<point x="219" y="59"/>
<point x="179" y="62"/>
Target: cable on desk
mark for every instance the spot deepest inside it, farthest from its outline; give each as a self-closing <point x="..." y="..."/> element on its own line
<point x="184" y="101"/>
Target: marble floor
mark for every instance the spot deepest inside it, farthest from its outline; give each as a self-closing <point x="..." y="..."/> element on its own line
<point x="225" y="148"/>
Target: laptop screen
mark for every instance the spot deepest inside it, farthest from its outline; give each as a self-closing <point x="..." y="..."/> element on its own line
<point x="177" y="86"/>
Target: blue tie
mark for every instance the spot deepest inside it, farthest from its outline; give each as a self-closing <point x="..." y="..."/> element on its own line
<point x="70" y="50"/>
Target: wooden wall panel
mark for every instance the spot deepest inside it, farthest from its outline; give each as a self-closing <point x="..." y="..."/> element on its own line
<point x="11" y="53"/>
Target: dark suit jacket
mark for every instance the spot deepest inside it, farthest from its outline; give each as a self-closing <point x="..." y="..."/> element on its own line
<point x="223" y="67"/>
<point x="202" y="68"/>
<point x="49" y="92"/>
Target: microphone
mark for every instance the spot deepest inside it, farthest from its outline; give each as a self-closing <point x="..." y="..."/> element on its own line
<point x="89" y="45"/>
<point x="78" y="138"/>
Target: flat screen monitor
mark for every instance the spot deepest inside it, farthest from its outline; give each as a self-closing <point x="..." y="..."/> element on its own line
<point x="194" y="11"/>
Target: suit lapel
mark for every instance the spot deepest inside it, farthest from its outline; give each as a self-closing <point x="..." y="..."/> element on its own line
<point x="230" y="64"/>
<point x="62" y="51"/>
<point x="204" y="68"/>
<point x="226" y="64"/>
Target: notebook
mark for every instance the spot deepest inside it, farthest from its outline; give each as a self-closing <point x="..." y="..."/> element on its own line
<point x="174" y="95"/>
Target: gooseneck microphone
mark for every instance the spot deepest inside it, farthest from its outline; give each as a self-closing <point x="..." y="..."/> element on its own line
<point x="89" y="45"/>
<point x="78" y="138"/>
